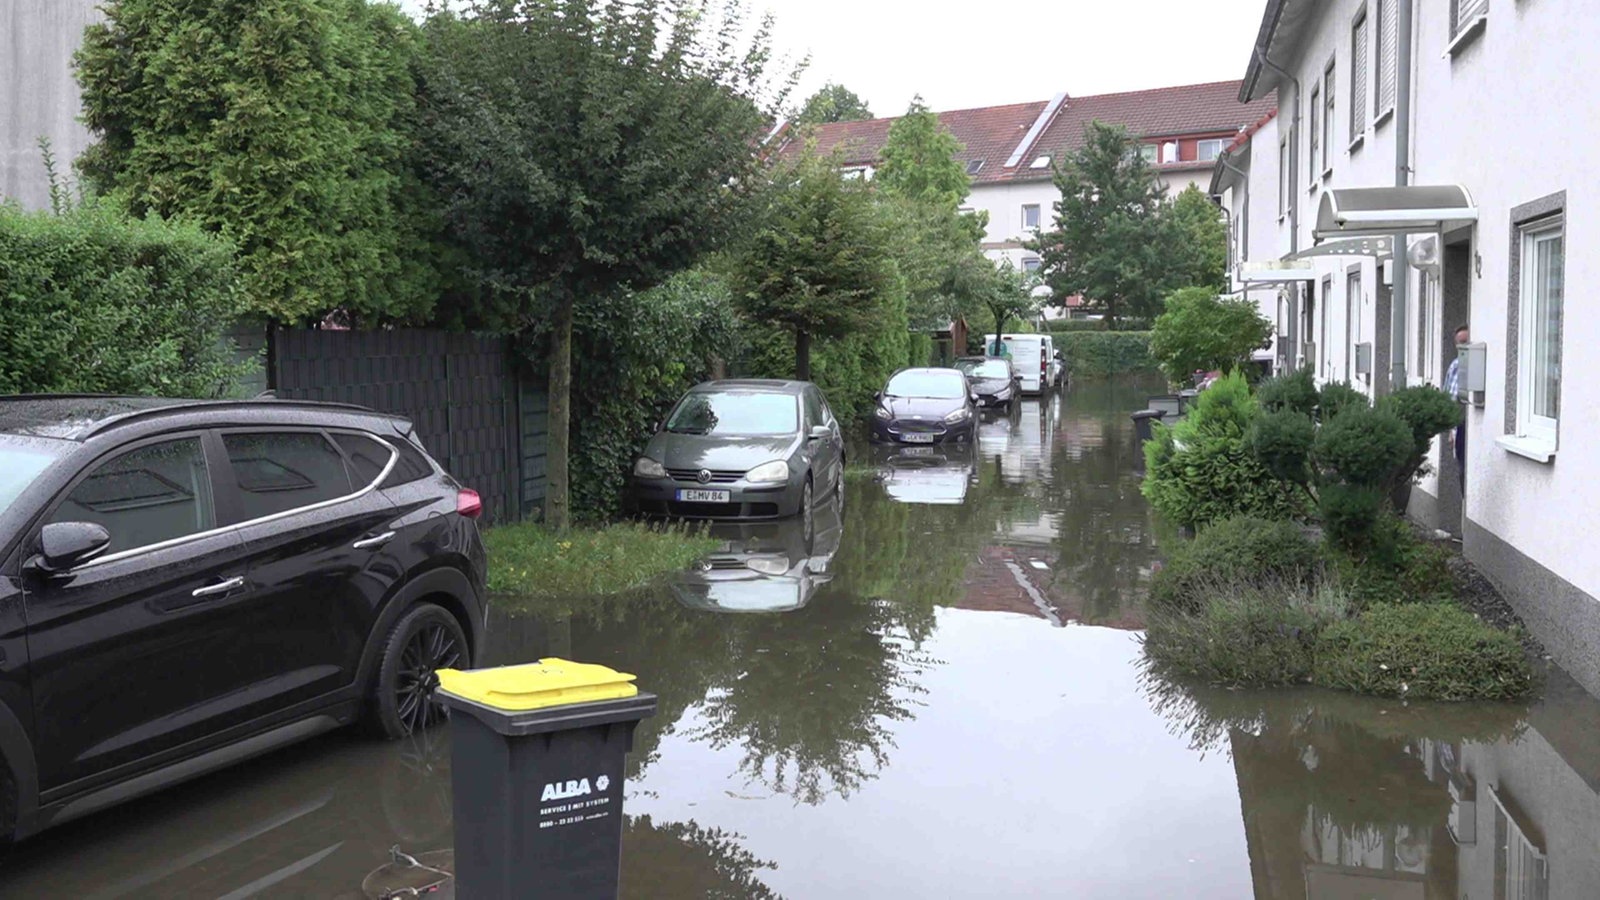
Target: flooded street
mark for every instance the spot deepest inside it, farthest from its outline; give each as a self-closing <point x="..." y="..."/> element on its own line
<point x="938" y="693"/>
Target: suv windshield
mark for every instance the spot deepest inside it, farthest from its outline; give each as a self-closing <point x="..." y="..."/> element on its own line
<point x="930" y="384"/>
<point x="21" y="461"/>
<point x="736" y="413"/>
<point x="983" y="369"/>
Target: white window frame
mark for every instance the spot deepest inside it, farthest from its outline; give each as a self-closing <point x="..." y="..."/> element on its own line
<point x="1360" y="63"/>
<point x="1314" y="133"/>
<point x="1330" y="104"/>
<point x="1150" y="153"/>
<point x="1540" y="429"/>
<point x="1038" y="216"/>
<point x="1200" y="153"/>
<point x="1385" y="68"/>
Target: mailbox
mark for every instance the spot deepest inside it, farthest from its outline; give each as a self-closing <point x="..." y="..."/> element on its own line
<point x="1473" y="373"/>
<point x="1364" y="358"/>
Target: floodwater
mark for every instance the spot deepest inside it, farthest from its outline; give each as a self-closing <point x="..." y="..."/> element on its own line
<point x="937" y="694"/>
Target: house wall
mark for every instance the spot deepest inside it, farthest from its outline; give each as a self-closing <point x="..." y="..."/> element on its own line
<point x="1510" y="117"/>
<point x="38" y="96"/>
<point x="1004" y="204"/>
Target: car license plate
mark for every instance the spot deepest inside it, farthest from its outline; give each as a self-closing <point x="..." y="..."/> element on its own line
<point x="918" y="452"/>
<point x="695" y="496"/>
<point x="914" y="437"/>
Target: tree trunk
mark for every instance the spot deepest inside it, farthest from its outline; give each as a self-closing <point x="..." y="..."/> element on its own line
<point x="558" y="496"/>
<point x="802" y="355"/>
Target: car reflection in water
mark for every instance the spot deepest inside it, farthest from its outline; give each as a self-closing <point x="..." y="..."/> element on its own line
<point x="765" y="567"/>
<point x="938" y="475"/>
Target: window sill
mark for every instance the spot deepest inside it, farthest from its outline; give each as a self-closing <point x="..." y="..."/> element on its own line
<point x="1327" y="173"/>
<point x="1383" y="118"/>
<point x="1357" y="142"/>
<point x="1536" y="449"/>
<point x="1466" y="34"/>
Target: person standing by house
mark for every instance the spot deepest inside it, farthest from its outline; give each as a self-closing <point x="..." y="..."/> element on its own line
<point x="1452" y="386"/>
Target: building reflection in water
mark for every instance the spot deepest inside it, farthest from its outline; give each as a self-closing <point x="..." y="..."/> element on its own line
<point x="1347" y="797"/>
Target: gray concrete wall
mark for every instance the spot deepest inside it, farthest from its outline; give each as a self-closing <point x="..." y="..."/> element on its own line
<point x="38" y="96"/>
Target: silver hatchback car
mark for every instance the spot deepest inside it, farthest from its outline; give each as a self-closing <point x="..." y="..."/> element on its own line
<point x="742" y="449"/>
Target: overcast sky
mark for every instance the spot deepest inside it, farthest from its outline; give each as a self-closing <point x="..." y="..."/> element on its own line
<point x="965" y="53"/>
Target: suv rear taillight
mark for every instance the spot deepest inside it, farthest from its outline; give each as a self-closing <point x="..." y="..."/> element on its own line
<point x="469" y="504"/>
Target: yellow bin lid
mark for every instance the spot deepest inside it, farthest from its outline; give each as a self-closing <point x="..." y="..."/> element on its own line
<point x="548" y="682"/>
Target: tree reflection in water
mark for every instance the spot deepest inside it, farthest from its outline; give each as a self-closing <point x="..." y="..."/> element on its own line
<point x="685" y="861"/>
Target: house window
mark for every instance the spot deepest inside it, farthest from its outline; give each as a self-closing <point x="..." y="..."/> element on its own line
<point x="1030" y="264"/>
<point x="1148" y="153"/>
<point x="1387" y="44"/>
<point x="1030" y="215"/>
<point x="1465" y="13"/>
<point x="974" y="166"/>
<point x="1315" y="130"/>
<point x="1358" y="76"/>
<point x="1540" y="297"/>
<point x="1322" y="324"/>
<point x="1327" y="118"/>
<point x="1040" y="162"/>
<point x="1210" y="149"/>
<point x="1352" y="321"/>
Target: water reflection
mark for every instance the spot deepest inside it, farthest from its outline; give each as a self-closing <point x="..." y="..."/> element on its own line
<point x="1347" y="796"/>
<point x="766" y="566"/>
<point x="938" y="475"/>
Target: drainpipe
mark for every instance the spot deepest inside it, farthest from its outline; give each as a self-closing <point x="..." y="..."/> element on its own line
<point x="1294" y="195"/>
<point x="1398" y="314"/>
<point x="1244" y="203"/>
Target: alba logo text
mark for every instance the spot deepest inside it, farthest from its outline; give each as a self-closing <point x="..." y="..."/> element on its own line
<point x="557" y="790"/>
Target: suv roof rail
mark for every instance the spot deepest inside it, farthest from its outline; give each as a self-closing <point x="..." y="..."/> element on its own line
<point x="269" y="403"/>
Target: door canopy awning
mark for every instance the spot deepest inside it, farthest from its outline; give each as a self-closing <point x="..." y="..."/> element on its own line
<point x="1275" y="271"/>
<point x="1380" y="247"/>
<point x="1360" y="212"/>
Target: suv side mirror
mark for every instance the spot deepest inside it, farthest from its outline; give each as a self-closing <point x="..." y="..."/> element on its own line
<point x="821" y="432"/>
<point x="64" y="546"/>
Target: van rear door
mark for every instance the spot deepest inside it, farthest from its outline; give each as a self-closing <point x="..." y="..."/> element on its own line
<point x="1027" y="355"/>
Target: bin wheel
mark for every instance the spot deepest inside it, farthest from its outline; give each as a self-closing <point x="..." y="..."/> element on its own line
<point x="425" y="640"/>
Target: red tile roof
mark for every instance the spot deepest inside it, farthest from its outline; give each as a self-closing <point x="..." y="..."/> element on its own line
<point x="1159" y="113"/>
<point x="988" y="133"/>
<point x="992" y="133"/>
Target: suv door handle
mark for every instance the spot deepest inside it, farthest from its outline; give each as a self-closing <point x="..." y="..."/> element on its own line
<point x="377" y="540"/>
<point x="221" y="587"/>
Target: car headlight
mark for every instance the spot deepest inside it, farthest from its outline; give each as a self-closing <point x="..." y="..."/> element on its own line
<point x="775" y="472"/>
<point x="772" y="565"/>
<point x="882" y="413"/>
<point x="959" y="415"/>
<point x="645" y="467"/>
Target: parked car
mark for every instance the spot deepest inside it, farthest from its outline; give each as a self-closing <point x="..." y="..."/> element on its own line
<point x="1034" y="356"/>
<point x="994" y="379"/>
<point x="926" y="406"/>
<point x="185" y="584"/>
<point x="742" y="449"/>
<point x="764" y="567"/>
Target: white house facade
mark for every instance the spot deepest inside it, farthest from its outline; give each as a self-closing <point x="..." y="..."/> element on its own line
<point x="1432" y="170"/>
<point x="38" y="94"/>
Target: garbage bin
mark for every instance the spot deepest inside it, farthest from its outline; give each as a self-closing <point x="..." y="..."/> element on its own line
<point x="537" y="765"/>
<point x="1141" y="423"/>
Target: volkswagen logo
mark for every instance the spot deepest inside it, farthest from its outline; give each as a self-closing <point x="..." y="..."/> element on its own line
<point x="703" y="476"/>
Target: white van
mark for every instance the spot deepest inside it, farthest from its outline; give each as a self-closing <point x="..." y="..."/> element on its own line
<point x="1033" y="356"/>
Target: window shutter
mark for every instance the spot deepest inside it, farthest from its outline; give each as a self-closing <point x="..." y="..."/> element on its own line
<point x="1358" y="77"/>
<point x="1466" y="11"/>
<point x="1388" y="54"/>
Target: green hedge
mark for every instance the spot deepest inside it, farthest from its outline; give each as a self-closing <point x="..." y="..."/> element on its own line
<point x="1101" y="354"/>
<point x="92" y="301"/>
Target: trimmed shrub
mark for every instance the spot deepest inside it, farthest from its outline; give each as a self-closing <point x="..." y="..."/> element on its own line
<point x="1362" y="446"/>
<point x="1200" y="471"/>
<point x="1238" y="550"/>
<point x="1428" y="412"/>
<point x="1063" y="326"/>
<point x="1292" y="391"/>
<point x="1282" y="441"/>
<point x="1349" y="513"/>
<point x="1337" y="396"/>
<point x="1102" y="354"/>
<point x="92" y="301"/>
<point x="1425" y="650"/>
<point x="1395" y="566"/>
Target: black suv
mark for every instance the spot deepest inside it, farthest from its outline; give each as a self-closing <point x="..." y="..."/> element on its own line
<point x="185" y="584"/>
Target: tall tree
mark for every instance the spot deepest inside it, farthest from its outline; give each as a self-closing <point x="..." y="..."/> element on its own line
<point x="821" y="263"/>
<point x="585" y="147"/>
<point x="832" y="103"/>
<point x="1198" y="238"/>
<point x="283" y="125"/>
<point x="940" y="246"/>
<point x="919" y="160"/>
<point x="1009" y="295"/>
<point x="1107" y="239"/>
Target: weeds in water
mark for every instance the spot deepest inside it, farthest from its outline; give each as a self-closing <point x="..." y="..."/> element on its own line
<point x="1258" y="632"/>
<point x="1434" y="650"/>
<point x="531" y="560"/>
